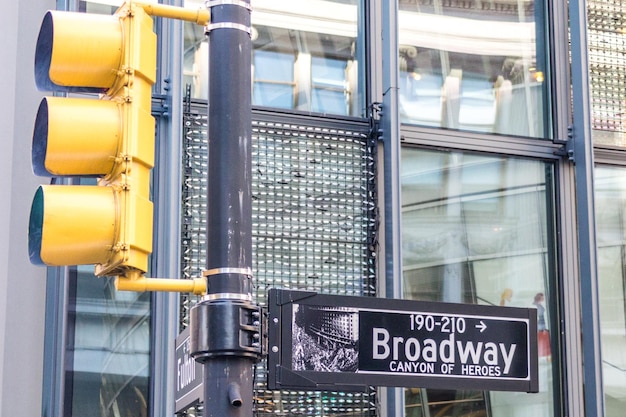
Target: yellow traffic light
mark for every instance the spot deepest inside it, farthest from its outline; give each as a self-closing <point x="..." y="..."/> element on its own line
<point x="110" y="137"/>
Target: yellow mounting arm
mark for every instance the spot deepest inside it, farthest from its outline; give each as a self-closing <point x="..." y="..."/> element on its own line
<point x="199" y="16"/>
<point x="137" y="282"/>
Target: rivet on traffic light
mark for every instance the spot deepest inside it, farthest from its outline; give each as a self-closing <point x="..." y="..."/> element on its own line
<point x="110" y="137"/>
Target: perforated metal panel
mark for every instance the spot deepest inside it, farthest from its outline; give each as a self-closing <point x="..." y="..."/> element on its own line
<point x="314" y="226"/>
<point x="313" y="209"/>
<point x="607" y="64"/>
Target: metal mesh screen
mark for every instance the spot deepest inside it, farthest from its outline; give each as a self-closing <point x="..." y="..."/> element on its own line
<point x="312" y="209"/>
<point x="314" y="227"/>
<point x="194" y="204"/>
<point x="607" y="64"/>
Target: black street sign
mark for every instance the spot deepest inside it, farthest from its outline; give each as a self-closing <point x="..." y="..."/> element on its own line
<point x="188" y="389"/>
<point x="331" y="342"/>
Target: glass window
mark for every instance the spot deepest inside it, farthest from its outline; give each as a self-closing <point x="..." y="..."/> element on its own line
<point x="108" y="348"/>
<point x="476" y="66"/>
<point x="274" y="74"/>
<point x="305" y="56"/>
<point x="610" y="196"/>
<point x="330" y="93"/>
<point x="475" y="230"/>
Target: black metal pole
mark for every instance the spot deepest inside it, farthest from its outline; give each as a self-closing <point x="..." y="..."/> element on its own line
<point x="225" y="324"/>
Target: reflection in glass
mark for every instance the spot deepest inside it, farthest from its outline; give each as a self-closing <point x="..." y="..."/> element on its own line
<point x="475" y="230"/>
<point x="476" y="66"/>
<point x="610" y="186"/>
<point x="304" y="56"/>
<point x="99" y="6"/>
<point x="274" y="73"/>
<point x="108" y="350"/>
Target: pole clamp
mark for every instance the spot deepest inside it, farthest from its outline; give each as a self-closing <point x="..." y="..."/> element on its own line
<point x="225" y="328"/>
<point x="228" y="25"/>
<point x="227" y="296"/>
<point x="227" y="270"/>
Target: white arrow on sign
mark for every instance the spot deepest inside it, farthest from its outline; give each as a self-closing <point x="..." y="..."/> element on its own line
<point x="482" y="326"/>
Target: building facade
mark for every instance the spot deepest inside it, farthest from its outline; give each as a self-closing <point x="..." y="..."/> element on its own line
<point x="441" y="150"/>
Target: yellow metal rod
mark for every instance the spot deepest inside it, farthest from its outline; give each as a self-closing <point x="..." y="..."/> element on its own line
<point x="199" y="16"/>
<point x="141" y="284"/>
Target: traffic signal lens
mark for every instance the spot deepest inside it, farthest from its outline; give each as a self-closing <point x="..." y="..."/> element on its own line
<point x="35" y="228"/>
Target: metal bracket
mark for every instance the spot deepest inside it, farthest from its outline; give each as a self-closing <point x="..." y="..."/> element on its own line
<point x="265" y="317"/>
<point x="374" y="113"/>
<point x="160" y="104"/>
<point x="567" y="149"/>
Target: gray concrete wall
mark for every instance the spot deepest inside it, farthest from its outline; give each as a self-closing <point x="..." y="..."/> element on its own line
<point x="22" y="286"/>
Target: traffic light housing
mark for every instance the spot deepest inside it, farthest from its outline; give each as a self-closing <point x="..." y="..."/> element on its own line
<point x="110" y="137"/>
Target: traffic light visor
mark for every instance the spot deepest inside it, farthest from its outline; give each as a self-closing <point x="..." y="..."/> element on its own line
<point x="78" y="52"/>
<point x="76" y="137"/>
<point x="72" y="225"/>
